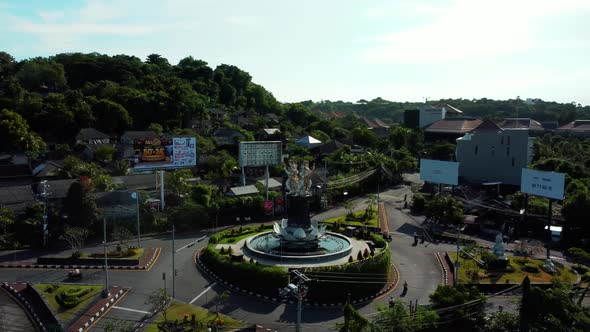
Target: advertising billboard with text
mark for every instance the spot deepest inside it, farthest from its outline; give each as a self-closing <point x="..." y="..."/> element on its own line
<point x="260" y="153"/>
<point x="165" y="152"/>
<point x="540" y="183"/>
<point x="436" y="171"/>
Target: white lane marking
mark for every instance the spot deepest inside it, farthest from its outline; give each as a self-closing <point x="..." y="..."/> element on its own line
<point x="190" y="244"/>
<point x="202" y="293"/>
<point x="132" y="310"/>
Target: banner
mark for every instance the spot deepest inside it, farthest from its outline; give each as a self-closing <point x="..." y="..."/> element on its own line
<point x="164" y="152"/>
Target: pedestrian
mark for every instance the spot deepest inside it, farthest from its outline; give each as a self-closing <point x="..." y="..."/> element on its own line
<point x="391" y="302"/>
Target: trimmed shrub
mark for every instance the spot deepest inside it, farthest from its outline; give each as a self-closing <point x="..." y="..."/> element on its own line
<point x="71" y="297"/>
<point x="531" y="268"/>
<point x="418" y="203"/>
<point x="581" y="269"/>
<point x="579" y="253"/>
<point x="256" y="277"/>
<point x="359" y="256"/>
<point x="378" y="240"/>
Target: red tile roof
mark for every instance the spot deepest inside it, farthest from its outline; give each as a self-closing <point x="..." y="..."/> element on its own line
<point x="576" y="126"/>
<point x="520" y="123"/>
<point x="487" y="126"/>
<point x="460" y="125"/>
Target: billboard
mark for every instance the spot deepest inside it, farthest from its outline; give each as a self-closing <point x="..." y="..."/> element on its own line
<point x="164" y="152"/>
<point x="260" y="153"/>
<point x="436" y="171"/>
<point x="540" y="183"/>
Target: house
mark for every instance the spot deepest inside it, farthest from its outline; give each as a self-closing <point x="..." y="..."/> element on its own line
<point x="227" y="137"/>
<point x="428" y="114"/>
<point x="534" y="127"/>
<point x="217" y="114"/>
<point x="450" y="129"/>
<point x="15" y="170"/>
<point x="92" y="136"/>
<point x="273" y="184"/>
<point x="17" y="198"/>
<point x="326" y="149"/>
<point x="577" y="128"/>
<point x="272" y="134"/>
<point x="242" y="191"/>
<point x="129" y="137"/>
<point x="492" y="154"/>
<point x="56" y="190"/>
<point x="308" y="142"/>
<point x="48" y="170"/>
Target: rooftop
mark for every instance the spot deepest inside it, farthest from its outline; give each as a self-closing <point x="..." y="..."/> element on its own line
<point x="576" y="126"/>
<point x="458" y="125"/>
<point x="89" y="134"/>
<point x="244" y="190"/>
<point x="520" y="123"/>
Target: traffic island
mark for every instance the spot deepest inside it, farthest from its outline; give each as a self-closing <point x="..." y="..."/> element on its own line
<point x="142" y="260"/>
<point x="481" y="271"/>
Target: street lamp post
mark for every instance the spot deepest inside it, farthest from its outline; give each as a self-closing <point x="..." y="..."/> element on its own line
<point x="299" y="292"/>
<point x="106" y="264"/>
<point x="135" y="195"/>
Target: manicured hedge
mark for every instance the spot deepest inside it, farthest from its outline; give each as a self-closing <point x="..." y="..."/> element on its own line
<point x="251" y="276"/>
<point x="359" y="279"/>
<point x="71" y="297"/>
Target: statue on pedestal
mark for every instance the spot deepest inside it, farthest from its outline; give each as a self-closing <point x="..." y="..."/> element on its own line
<point x="499" y="248"/>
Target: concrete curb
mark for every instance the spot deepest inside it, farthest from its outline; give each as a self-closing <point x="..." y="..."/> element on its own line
<point x="443" y="268"/>
<point x="101" y="311"/>
<point x="25" y="304"/>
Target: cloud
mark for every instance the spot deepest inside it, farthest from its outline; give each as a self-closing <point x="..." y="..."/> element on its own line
<point x="470" y="29"/>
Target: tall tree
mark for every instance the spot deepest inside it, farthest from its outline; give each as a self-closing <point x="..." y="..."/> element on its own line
<point x="15" y="135"/>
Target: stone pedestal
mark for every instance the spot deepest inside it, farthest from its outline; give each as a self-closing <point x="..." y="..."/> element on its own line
<point x="298" y="212"/>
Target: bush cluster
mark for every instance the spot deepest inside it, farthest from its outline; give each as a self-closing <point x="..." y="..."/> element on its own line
<point x="71" y="297"/>
<point x="531" y="268"/>
<point x="579" y="253"/>
<point x="377" y="267"/>
<point x="252" y="276"/>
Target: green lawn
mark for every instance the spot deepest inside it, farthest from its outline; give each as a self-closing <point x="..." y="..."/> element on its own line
<point x="227" y="238"/>
<point x="113" y="254"/>
<point x="470" y="272"/>
<point x="359" y="214"/>
<point x="65" y="315"/>
<point x="177" y="310"/>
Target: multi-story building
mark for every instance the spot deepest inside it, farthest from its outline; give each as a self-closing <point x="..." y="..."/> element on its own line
<point x="492" y="154"/>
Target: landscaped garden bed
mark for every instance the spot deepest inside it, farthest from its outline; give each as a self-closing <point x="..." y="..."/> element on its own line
<point x="356" y="219"/>
<point x="126" y="257"/>
<point x="67" y="301"/>
<point x="234" y="235"/>
<point x="185" y="317"/>
<point x="517" y="268"/>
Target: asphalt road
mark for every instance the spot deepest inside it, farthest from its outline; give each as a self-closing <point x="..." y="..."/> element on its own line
<point x="416" y="265"/>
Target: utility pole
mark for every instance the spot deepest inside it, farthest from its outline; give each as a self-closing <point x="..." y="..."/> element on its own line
<point x="173" y="265"/>
<point x="106" y="261"/>
<point x="456" y="268"/>
<point x="162" y="203"/>
<point x="299" y="292"/>
<point x="549" y="215"/>
<point x="136" y="196"/>
<point x="45" y="230"/>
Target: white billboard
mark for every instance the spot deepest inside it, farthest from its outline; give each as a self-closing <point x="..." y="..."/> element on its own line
<point x="165" y="152"/>
<point x="436" y="171"/>
<point x="540" y="183"/>
<point x="260" y="153"/>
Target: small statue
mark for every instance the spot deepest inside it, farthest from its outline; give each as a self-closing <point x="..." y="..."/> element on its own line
<point x="498" y="248"/>
<point x="292" y="183"/>
<point x="307" y="178"/>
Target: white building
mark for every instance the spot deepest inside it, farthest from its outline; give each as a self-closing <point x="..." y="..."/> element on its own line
<point x="492" y="154"/>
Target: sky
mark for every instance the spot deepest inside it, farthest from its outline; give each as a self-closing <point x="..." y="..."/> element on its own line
<point x="405" y="50"/>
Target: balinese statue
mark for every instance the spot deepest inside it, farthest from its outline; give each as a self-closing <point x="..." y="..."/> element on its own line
<point x="293" y="181"/>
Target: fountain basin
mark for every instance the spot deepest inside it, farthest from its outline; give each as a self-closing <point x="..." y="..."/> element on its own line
<point x="269" y="246"/>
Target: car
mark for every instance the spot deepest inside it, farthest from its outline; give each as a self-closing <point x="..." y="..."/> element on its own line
<point x="75" y="274"/>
